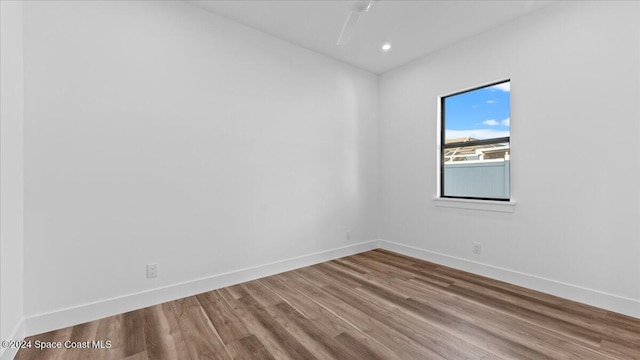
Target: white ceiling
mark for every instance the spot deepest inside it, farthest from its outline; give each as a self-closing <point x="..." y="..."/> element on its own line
<point x="414" y="28"/>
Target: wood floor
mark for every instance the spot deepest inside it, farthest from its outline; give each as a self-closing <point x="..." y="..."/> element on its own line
<point x="375" y="305"/>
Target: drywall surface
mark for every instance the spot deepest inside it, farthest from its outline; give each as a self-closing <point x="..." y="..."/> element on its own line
<point x="156" y="132"/>
<point x="11" y="173"/>
<point x="574" y="70"/>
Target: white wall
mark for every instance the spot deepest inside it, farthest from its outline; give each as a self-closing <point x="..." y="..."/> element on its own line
<point x="574" y="70"/>
<point x="158" y="132"/>
<point x="11" y="172"/>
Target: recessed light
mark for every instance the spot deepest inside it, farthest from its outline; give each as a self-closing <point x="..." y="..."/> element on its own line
<point x="386" y="47"/>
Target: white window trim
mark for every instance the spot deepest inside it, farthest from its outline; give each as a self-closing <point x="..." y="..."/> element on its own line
<point x="471" y="204"/>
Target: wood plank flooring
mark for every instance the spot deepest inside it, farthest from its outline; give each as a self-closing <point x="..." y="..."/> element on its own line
<point x="375" y="305"/>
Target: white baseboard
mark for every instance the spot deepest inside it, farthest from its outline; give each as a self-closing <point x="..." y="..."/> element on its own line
<point x="40" y="323"/>
<point x="17" y="334"/>
<point x="61" y="318"/>
<point x="592" y="297"/>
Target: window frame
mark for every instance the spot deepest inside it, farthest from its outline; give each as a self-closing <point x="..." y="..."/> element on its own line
<point x="443" y="146"/>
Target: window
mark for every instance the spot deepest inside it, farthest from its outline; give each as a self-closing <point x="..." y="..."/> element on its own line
<point x="475" y="143"/>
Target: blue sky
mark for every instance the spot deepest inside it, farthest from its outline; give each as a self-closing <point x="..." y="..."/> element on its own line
<point x="480" y="114"/>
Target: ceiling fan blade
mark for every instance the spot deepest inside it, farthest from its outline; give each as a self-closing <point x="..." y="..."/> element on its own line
<point x="349" y="28"/>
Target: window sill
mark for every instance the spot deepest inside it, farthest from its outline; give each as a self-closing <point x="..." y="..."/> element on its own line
<point x="482" y="205"/>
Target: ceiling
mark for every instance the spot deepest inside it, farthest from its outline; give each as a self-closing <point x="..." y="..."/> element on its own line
<point x="413" y="28"/>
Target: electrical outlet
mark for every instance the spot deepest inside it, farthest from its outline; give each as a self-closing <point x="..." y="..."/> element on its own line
<point x="477" y="248"/>
<point x="152" y="270"/>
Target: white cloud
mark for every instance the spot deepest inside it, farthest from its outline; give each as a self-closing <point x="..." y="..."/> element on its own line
<point x="476" y="134"/>
<point x="506" y="122"/>
<point x="490" y="122"/>
<point x="491" y="101"/>
<point x="505" y="86"/>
